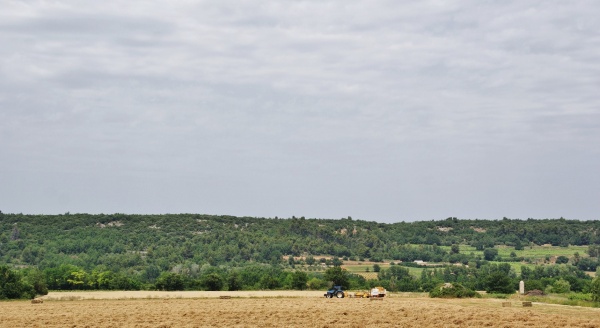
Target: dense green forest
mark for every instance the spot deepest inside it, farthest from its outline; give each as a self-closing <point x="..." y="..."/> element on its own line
<point x="194" y="251"/>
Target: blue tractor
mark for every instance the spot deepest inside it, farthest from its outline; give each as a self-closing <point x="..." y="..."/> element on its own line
<point x="336" y="291"/>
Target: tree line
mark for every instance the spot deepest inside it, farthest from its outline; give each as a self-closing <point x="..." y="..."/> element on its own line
<point x="491" y="277"/>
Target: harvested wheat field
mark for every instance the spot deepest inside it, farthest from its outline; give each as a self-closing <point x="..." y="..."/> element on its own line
<point x="309" y="311"/>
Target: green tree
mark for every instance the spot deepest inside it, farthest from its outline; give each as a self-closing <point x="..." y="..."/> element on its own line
<point x="489" y="254"/>
<point x="233" y="281"/>
<point x="78" y="279"/>
<point x="519" y="246"/>
<point x="454" y="249"/>
<point x="61" y="277"/>
<point x="169" y="281"/>
<point x="595" y="289"/>
<point x="122" y="281"/>
<point x="12" y="286"/>
<point x="299" y="280"/>
<point x="315" y="283"/>
<point x="533" y="284"/>
<point x="338" y="276"/>
<point x="36" y="278"/>
<point x="336" y="261"/>
<point x="100" y="278"/>
<point x="269" y="282"/>
<point x="151" y="273"/>
<point x="212" y="281"/>
<point x="499" y="282"/>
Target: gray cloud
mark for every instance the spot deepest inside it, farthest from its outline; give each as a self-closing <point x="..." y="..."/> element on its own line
<point x="383" y="110"/>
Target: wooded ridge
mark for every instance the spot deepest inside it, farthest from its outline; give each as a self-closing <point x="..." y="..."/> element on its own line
<point x="197" y="251"/>
<point x="120" y="240"/>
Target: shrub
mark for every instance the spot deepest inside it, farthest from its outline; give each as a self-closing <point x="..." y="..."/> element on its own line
<point x="580" y="297"/>
<point x="533" y="285"/>
<point x="448" y="290"/>
<point x="561" y="286"/>
<point x="315" y="283"/>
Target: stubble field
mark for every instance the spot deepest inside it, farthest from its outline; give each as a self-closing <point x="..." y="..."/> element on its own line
<point x="296" y="310"/>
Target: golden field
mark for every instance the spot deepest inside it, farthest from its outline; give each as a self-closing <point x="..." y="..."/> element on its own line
<point x="282" y="309"/>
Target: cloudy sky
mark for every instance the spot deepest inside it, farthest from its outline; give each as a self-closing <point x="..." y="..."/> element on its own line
<point x="381" y="110"/>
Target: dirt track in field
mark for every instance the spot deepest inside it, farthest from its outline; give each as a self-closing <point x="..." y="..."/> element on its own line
<point x="295" y="311"/>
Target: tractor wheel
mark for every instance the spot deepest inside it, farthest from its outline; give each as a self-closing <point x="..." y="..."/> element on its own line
<point x="329" y="295"/>
<point x="340" y="294"/>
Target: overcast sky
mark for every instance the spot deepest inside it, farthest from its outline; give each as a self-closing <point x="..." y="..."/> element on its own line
<point x="380" y="110"/>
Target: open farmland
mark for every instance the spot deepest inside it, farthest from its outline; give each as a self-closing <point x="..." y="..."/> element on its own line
<point x="299" y="310"/>
<point x="537" y="252"/>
